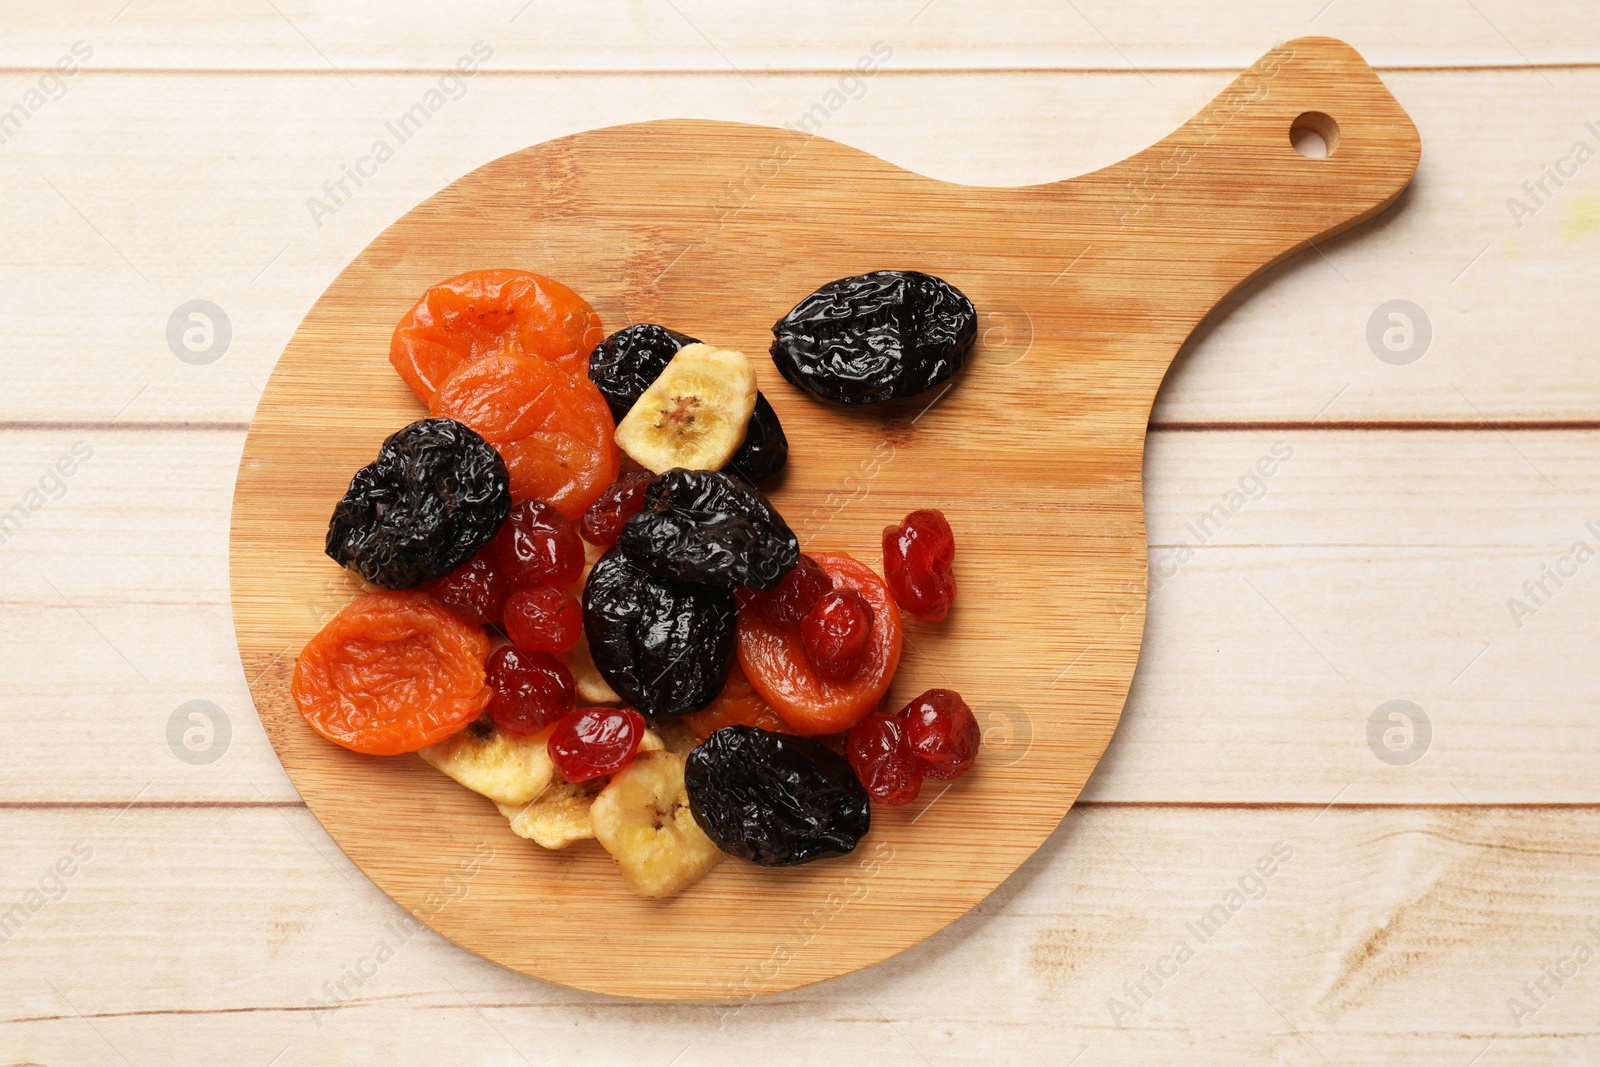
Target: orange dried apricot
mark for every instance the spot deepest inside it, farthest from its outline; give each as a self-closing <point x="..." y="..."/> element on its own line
<point x="774" y="657"/>
<point x="488" y="312"/>
<point x="553" y="429"/>
<point x="393" y="672"/>
<point x="737" y="705"/>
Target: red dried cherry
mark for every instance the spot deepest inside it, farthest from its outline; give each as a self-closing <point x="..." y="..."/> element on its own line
<point x="531" y="690"/>
<point x="917" y="559"/>
<point x="590" y="742"/>
<point x="835" y="633"/>
<point x="942" y="733"/>
<point x="883" y="760"/>
<point x="602" y="523"/>
<point x="538" y="546"/>
<point x="543" y="619"/>
<point x="475" y="591"/>
<point x="796" y="594"/>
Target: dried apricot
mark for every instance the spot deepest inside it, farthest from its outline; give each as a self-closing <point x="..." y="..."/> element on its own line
<point x="490" y="312"/>
<point x="553" y="429"/>
<point x="774" y="658"/>
<point x="392" y="672"/>
<point x="737" y="705"/>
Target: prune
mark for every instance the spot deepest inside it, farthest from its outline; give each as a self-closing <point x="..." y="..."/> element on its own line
<point x="434" y="496"/>
<point x="712" y="528"/>
<point x="624" y="364"/>
<point x="875" y="337"/>
<point x="765" y="451"/>
<point x="774" y="799"/>
<point x="665" y="647"/>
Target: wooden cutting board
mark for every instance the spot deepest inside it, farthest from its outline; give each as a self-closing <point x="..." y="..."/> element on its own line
<point x="1086" y="289"/>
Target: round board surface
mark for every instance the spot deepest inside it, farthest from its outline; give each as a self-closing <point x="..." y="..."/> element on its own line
<point x="1085" y="291"/>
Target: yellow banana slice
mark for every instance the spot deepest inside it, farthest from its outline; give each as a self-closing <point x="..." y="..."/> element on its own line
<point x="694" y="414"/>
<point x="642" y="818"/>
<point x="506" y="768"/>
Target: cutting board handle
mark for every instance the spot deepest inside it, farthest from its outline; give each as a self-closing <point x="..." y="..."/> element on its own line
<point x="1229" y="190"/>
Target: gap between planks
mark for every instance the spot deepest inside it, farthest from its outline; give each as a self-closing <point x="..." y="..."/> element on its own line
<point x="1241" y="805"/>
<point x="1241" y="426"/>
<point x="772" y="72"/>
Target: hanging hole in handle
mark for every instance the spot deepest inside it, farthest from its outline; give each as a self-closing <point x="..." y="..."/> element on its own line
<point x="1314" y="135"/>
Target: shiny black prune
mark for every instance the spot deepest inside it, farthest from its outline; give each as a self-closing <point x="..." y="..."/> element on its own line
<point x="775" y="799"/>
<point x="712" y="528"/>
<point x="434" y="496"/>
<point x="624" y="364"/>
<point x="765" y="449"/>
<point x="875" y="337"/>
<point x="665" y="647"/>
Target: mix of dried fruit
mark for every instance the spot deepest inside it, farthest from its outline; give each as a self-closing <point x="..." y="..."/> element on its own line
<point x="591" y="615"/>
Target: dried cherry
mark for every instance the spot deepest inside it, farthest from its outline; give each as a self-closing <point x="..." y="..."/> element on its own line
<point x="794" y="596"/>
<point x="883" y="760"/>
<point x="942" y="732"/>
<point x="918" y="562"/>
<point x="835" y="633"/>
<point x="490" y="312"/>
<point x="543" y="619"/>
<point x="765" y="451"/>
<point x="709" y="527"/>
<point x="552" y="428"/>
<point x="775" y="660"/>
<point x="624" y="364"/>
<point x="476" y="590"/>
<point x="603" y="521"/>
<point x="590" y="742"/>
<point x="538" y="546"/>
<point x="665" y="647"/>
<point x="434" y="496"/>
<point x="391" y="673"/>
<point x="875" y="337"/>
<point x="531" y="690"/>
<point x="775" y="799"/>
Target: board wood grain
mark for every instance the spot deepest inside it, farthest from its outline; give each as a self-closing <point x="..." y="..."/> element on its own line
<point x="717" y="229"/>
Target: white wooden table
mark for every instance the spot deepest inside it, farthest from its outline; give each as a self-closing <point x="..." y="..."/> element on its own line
<point x="164" y="891"/>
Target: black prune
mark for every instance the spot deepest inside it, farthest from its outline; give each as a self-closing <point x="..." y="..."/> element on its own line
<point x="712" y="528"/>
<point x="434" y="496"/>
<point x="775" y="799"/>
<point x="624" y="364"/>
<point x="765" y="449"/>
<point x="875" y="337"/>
<point x="665" y="647"/>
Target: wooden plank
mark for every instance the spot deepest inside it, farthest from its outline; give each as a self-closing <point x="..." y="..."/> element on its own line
<point x="1394" y="553"/>
<point x="702" y="35"/>
<point x="223" y="216"/>
<point x="1412" y="930"/>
